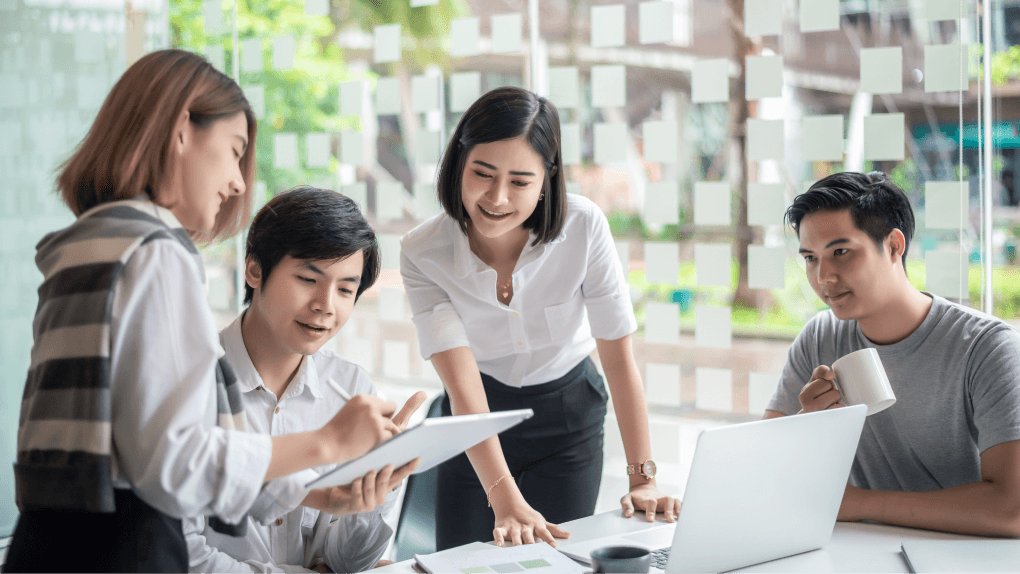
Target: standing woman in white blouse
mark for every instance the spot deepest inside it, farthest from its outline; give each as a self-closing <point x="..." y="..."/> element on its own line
<point x="512" y="288"/>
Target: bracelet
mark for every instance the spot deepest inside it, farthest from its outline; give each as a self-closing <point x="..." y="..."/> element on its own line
<point x="487" y="492"/>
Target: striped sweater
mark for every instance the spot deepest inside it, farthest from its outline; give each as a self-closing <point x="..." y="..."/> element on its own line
<point x="64" y="432"/>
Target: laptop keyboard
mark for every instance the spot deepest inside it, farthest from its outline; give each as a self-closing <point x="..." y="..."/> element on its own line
<point x="660" y="557"/>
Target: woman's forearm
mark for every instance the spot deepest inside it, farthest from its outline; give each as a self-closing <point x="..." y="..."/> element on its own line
<point x="629" y="404"/>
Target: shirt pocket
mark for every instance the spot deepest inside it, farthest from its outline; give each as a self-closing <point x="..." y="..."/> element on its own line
<point x="562" y="320"/>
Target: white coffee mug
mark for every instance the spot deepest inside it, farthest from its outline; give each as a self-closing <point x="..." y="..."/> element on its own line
<point x="861" y="380"/>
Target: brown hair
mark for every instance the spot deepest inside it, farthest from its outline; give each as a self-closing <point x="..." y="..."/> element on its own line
<point x="127" y="151"/>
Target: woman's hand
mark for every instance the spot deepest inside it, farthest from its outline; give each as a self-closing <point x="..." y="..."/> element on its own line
<point x="363" y="494"/>
<point x="647" y="497"/>
<point x="522" y="524"/>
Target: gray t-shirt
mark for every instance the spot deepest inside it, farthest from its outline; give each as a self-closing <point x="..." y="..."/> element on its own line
<point x="957" y="385"/>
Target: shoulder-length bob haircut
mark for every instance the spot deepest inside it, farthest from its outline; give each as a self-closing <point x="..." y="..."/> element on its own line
<point x="502" y="114"/>
<point x="127" y="151"/>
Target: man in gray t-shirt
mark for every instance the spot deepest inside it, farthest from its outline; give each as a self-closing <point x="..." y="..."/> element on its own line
<point x="946" y="456"/>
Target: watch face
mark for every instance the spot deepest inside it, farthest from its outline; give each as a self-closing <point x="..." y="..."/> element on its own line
<point x="649" y="468"/>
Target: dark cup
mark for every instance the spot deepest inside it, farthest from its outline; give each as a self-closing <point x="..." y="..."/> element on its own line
<point x="621" y="559"/>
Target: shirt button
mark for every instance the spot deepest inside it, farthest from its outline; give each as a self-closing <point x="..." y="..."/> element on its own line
<point x="520" y="343"/>
<point x="517" y="380"/>
<point x="277" y="409"/>
<point x="515" y="314"/>
<point x="279" y="521"/>
<point x="519" y="285"/>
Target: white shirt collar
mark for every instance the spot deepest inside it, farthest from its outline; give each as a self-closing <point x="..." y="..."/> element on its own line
<point x="306" y="378"/>
<point x="465" y="261"/>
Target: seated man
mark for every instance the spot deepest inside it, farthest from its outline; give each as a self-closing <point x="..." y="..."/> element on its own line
<point x="310" y="255"/>
<point x="946" y="456"/>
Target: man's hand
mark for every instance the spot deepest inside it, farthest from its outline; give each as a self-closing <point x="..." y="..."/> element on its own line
<point x="360" y="425"/>
<point x="404" y="416"/>
<point x="820" y="393"/>
<point x="362" y="495"/>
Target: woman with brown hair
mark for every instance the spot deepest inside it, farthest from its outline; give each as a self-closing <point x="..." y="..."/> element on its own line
<point x="130" y="417"/>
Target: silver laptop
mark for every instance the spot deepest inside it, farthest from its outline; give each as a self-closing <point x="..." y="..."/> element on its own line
<point x="757" y="491"/>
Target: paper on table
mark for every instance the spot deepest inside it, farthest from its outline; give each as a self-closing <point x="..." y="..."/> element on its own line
<point x="386" y="43"/>
<point x="427" y="148"/>
<point x="710" y="81"/>
<point x="662" y="323"/>
<point x="212" y="13"/>
<point x="563" y="86"/>
<point x="660" y="141"/>
<point x="464" y="34"/>
<point x="357" y="192"/>
<point x="352" y="98"/>
<point x="387" y="96"/>
<point x="883" y="136"/>
<point x="943" y="204"/>
<point x="283" y="52"/>
<point x="766" y="267"/>
<point x="389" y="248"/>
<point x="662" y="203"/>
<point x="216" y="56"/>
<point x="426" y="202"/>
<point x="251" y="55"/>
<point x="760" y="388"/>
<point x="285" y="155"/>
<point x="945" y="67"/>
<point x="389" y="200"/>
<point x="316" y="7"/>
<point x="570" y="143"/>
<point x="711" y="203"/>
<point x="819" y="15"/>
<point x="256" y="96"/>
<point x="945" y="9"/>
<point x="607" y="25"/>
<point x="656" y="23"/>
<point x="424" y="93"/>
<point x="764" y="77"/>
<point x="623" y="254"/>
<point x="351" y="144"/>
<point x="821" y="138"/>
<point x="360" y="352"/>
<point x="610" y="142"/>
<point x="465" y="88"/>
<point x="882" y="70"/>
<point x="608" y="86"/>
<point x="662" y="262"/>
<point x="663" y="382"/>
<point x="391" y="304"/>
<point x="396" y="359"/>
<point x="764" y="140"/>
<point x="712" y="264"/>
<point x="317" y="149"/>
<point x="763" y="17"/>
<point x="506" y="33"/>
<point x="714" y="388"/>
<point x="766" y="203"/>
<point x="712" y="327"/>
<point x="944" y="272"/>
<point x="538" y="558"/>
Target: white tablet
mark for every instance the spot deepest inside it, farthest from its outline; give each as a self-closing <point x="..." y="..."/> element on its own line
<point x="435" y="440"/>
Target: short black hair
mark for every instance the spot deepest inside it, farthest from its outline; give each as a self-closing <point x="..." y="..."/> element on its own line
<point x="876" y="204"/>
<point x="502" y="114"/>
<point x="311" y="224"/>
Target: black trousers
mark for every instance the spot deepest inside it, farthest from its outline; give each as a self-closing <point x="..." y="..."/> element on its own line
<point x="135" y="538"/>
<point x="555" y="457"/>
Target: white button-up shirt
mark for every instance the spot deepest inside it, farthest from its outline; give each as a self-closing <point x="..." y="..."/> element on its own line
<point x="567" y="293"/>
<point x="282" y="535"/>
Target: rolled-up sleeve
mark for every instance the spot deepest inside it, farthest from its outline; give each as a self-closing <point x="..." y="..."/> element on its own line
<point x="605" y="290"/>
<point x="439" y="325"/>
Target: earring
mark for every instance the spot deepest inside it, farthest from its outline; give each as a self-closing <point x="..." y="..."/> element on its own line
<point x="542" y="196"/>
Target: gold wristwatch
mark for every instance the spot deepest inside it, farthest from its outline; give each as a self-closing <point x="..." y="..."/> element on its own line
<point x="645" y="469"/>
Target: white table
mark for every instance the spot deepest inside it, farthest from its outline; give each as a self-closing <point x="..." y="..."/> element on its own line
<point x="854" y="547"/>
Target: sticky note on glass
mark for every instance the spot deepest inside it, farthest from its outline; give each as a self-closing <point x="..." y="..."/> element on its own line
<point x="464" y="37"/>
<point x="821" y="138"/>
<point x="506" y="33"/>
<point x="766" y="203"/>
<point x="608" y="86"/>
<point x="424" y="93"/>
<point x="712" y="264"/>
<point x="389" y="200"/>
<point x="607" y="25"/>
<point x="563" y="86"/>
<point x="91" y="91"/>
<point x="764" y="77"/>
<point x="216" y="56"/>
<point x="713" y="389"/>
<point x="357" y="192"/>
<point x="662" y="323"/>
<point x="386" y="43"/>
<point x="256" y="96"/>
<point x="663" y="382"/>
<point x="251" y="55"/>
<point x="426" y="202"/>
<point x="945" y="67"/>
<point x="765" y="140"/>
<point x="427" y="147"/>
<point x="212" y="16"/>
<point x="87" y="46"/>
<point x="389" y="247"/>
<point x="352" y="98"/>
<point x="882" y="70"/>
<point x="944" y="203"/>
<point x="662" y="262"/>
<point x="397" y="359"/>
<point x="387" y="96"/>
<point x="574" y="187"/>
<point x="420" y="3"/>
<point x="760" y="388"/>
<point x="662" y="203"/>
<point x="883" y="137"/>
<point x="819" y="15"/>
<point x="610" y="142"/>
<point x="763" y="17"/>
<point x="351" y="144"/>
<point x="656" y="23"/>
<point x="766" y="267"/>
<point x="317" y="149"/>
<point x="283" y="52"/>
<point x="711" y="203"/>
<point x="465" y="88"/>
<point x="623" y="254"/>
<point x="316" y="7"/>
<point x="944" y="273"/>
<point x="660" y="141"/>
<point x="285" y="155"/>
<point x="570" y="143"/>
<point x="945" y="9"/>
<point x="710" y="81"/>
<point x="391" y="304"/>
<point x="712" y="327"/>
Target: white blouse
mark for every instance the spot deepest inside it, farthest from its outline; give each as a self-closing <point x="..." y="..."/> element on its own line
<point x="567" y="293"/>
